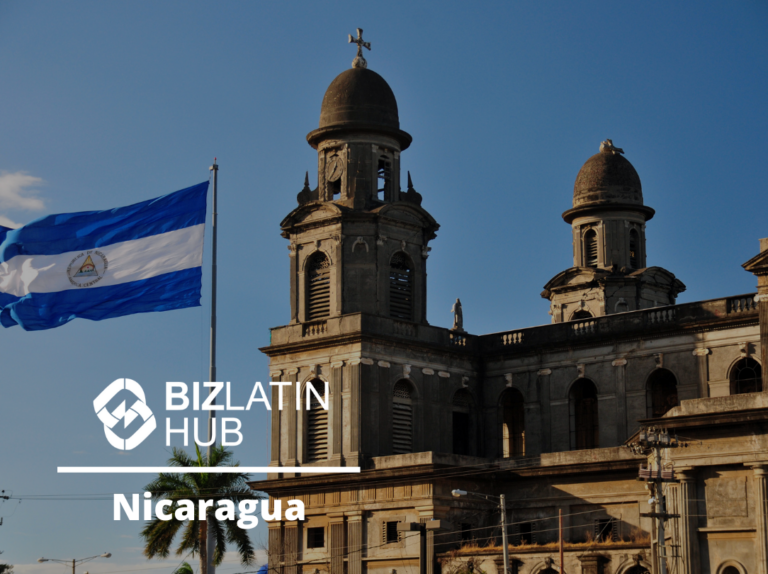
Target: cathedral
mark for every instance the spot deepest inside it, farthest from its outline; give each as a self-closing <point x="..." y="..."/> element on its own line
<point x="543" y="415"/>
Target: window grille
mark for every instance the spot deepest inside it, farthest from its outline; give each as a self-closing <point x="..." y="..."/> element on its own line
<point x="318" y="287"/>
<point x="634" y="259"/>
<point x="746" y="377"/>
<point x="584" y="419"/>
<point x="513" y="424"/>
<point x="606" y="530"/>
<point x="389" y="533"/>
<point x="400" y="287"/>
<point x="317" y="430"/>
<point x="402" y="419"/>
<point x="590" y="248"/>
<point x="316" y="537"/>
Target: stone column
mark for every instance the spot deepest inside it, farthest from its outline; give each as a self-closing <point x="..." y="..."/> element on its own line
<point x="761" y="515"/>
<point x="355" y="538"/>
<point x="338" y="546"/>
<point x="702" y="353"/>
<point x="335" y="414"/>
<point x="275" y="542"/>
<point x="275" y="430"/>
<point x="289" y="412"/>
<point x="621" y="396"/>
<point x="291" y="547"/>
<point x="689" y="522"/>
<point x="542" y="384"/>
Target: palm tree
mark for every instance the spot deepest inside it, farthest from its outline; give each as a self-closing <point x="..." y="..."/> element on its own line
<point x="159" y="534"/>
<point x="185" y="568"/>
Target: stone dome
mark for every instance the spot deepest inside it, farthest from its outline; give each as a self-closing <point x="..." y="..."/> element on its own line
<point x="607" y="178"/>
<point x="359" y="96"/>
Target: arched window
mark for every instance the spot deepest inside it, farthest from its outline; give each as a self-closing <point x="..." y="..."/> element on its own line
<point x="512" y="423"/>
<point x="638" y="569"/>
<point x="317" y="428"/>
<point x="634" y="245"/>
<point x="581" y="314"/>
<point x="590" y="248"/>
<point x="461" y="421"/>
<point x="401" y="287"/>
<point x="746" y="377"/>
<point x="584" y="422"/>
<point x="661" y="392"/>
<point x="384" y="173"/>
<point x="318" y="286"/>
<point x="402" y="418"/>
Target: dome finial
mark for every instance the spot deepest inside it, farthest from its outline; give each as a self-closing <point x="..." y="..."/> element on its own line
<point x="359" y="61"/>
<point x="607" y="146"/>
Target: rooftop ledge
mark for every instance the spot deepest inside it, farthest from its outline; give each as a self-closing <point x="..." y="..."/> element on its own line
<point x="739" y="309"/>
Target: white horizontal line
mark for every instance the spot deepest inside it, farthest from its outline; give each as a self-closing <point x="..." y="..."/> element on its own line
<point x="206" y="469"/>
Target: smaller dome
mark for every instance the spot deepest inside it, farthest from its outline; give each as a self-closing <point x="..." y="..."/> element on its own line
<point x="607" y="178"/>
<point x="359" y="96"/>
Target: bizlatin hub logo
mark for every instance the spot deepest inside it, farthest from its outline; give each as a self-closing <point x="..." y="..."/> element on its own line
<point x="112" y="407"/>
<point x="177" y="399"/>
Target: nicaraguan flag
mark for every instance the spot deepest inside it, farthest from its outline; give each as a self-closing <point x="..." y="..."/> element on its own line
<point x="102" y="264"/>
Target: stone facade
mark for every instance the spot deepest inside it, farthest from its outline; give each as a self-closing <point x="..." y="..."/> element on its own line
<point x="539" y="414"/>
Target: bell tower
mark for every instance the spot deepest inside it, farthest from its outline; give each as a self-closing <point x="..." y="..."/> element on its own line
<point x="358" y="242"/>
<point x="610" y="273"/>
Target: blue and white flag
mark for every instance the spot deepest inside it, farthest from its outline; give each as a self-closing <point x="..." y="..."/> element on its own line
<point x="102" y="264"/>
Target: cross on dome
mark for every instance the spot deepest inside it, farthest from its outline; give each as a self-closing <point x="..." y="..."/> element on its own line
<point x="359" y="61"/>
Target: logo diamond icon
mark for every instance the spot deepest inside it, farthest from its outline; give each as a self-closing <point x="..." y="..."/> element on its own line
<point x="127" y="415"/>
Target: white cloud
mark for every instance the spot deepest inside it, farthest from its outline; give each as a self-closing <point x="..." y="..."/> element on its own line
<point x="18" y="191"/>
<point x="5" y="222"/>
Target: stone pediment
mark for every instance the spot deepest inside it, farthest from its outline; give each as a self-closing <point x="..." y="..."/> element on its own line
<point x="309" y="212"/>
<point x="573" y="276"/>
<point x="758" y="264"/>
<point x="408" y="213"/>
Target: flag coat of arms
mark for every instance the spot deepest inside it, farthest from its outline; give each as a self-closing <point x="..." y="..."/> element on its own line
<point x="102" y="264"/>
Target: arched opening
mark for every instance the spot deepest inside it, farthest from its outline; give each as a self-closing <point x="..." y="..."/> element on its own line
<point x="634" y="245"/>
<point x="384" y="175"/>
<point x="590" y="248"/>
<point x="731" y="570"/>
<point x="661" y="389"/>
<point x="512" y="423"/>
<point x="318" y="286"/>
<point x="638" y="569"/>
<point x="401" y="287"/>
<point x="581" y="314"/>
<point x="402" y="418"/>
<point x="583" y="411"/>
<point x="317" y="427"/>
<point x="746" y="377"/>
<point x="461" y="419"/>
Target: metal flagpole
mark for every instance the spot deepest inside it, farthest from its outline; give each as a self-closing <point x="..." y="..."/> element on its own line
<point x="212" y="371"/>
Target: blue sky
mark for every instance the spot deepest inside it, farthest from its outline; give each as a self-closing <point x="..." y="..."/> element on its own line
<point x="106" y="104"/>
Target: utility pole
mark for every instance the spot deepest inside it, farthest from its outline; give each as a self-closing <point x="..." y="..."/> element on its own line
<point x="211" y="540"/>
<point x="560" y="516"/>
<point x="74" y="561"/>
<point x="502" y="510"/>
<point x="655" y="440"/>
